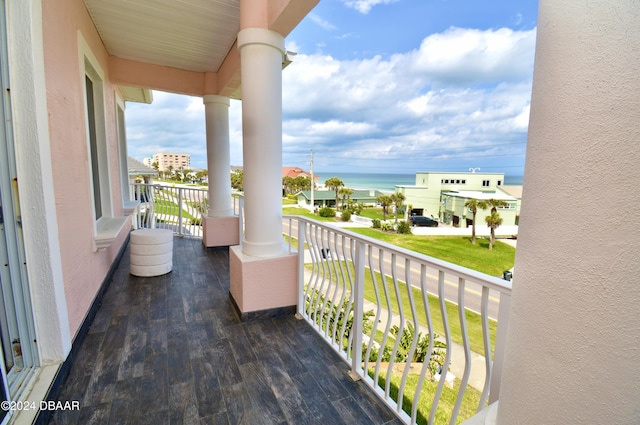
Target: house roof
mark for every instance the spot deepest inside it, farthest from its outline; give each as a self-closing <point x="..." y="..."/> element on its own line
<point x="357" y="195"/>
<point x="294" y="172"/>
<point x="137" y="168"/>
<point x="187" y="47"/>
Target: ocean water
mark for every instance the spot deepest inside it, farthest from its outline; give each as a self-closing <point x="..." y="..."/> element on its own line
<point x="386" y="182"/>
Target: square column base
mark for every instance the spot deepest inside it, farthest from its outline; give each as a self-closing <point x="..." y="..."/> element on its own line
<point x="486" y="416"/>
<point x="220" y="231"/>
<point x="263" y="287"/>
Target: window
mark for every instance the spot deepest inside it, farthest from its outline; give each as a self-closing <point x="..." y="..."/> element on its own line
<point x="93" y="148"/>
<point x="106" y="227"/>
<point x="499" y="183"/>
<point x="18" y="352"/>
<point x="486" y="183"/>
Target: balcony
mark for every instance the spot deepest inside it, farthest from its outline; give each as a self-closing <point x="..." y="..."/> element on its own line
<point x="173" y="349"/>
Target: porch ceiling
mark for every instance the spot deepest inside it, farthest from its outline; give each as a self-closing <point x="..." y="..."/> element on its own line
<point x="192" y="35"/>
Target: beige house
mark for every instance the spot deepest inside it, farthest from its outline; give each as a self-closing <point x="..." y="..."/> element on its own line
<point x="455" y="212"/>
<point x="425" y="197"/>
<point x="176" y="161"/>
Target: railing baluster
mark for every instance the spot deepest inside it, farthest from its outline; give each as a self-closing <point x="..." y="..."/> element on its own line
<point x="416" y="329"/>
<point x="396" y="345"/>
<point x="358" y="307"/>
<point x="180" y="193"/>
<point x="486" y="338"/>
<point x="501" y="337"/>
<point x="447" y="357"/>
<point x="467" y="350"/>
<point x="430" y="347"/>
<point x="302" y="227"/>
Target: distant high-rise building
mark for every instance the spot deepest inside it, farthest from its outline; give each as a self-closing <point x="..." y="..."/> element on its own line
<point x="148" y="162"/>
<point x="176" y="161"/>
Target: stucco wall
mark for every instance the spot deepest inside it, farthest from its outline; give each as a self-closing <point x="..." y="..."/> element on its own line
<point x="572" y="347"/>
<point x="83" y="269"/>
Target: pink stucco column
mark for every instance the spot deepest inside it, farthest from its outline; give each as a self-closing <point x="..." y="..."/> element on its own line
<point x="572" y="353"/>
<point x="263" y="276"/>
<point x="261" y="54"/>
<point x="220" y="226"/>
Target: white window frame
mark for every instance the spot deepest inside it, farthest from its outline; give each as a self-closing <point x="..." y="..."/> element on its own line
<point x="128" y="202"/>
<point x="106" y="227"/>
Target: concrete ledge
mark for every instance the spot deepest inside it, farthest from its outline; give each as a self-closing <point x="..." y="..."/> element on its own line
<point x="220" y="231"/>
<point x="259" y="284"/>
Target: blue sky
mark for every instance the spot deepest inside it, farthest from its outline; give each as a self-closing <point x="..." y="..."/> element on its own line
<point x="384" y="86"/>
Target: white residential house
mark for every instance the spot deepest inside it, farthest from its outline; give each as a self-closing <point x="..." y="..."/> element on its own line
<point x="426" y="197"/>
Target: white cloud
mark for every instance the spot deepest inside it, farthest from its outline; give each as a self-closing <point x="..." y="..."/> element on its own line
<point x="463" y="96"/>
<point x="468" y="56"/>
<point x="322" y="23"/>
<point x="364" y="6"/>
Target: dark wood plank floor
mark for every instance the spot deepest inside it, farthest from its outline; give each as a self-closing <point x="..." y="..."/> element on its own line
<point x="171" y="350"/>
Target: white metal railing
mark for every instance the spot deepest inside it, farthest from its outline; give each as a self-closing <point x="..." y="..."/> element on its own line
<point x="349" y="291"/>
<point x="177" y="208"/>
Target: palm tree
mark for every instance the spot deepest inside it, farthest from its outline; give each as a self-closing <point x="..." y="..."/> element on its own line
<point x="397" y="199"/>
<point x="170" y="169"/>
<point x="384" y="201"/>
<point x="493" y="222"/>
<point x="334" y="183"/>
<point x="473" y="205"/>
<point x="346" y="193"/>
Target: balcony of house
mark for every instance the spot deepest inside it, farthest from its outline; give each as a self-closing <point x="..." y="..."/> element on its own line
<point x="381" y="335"/>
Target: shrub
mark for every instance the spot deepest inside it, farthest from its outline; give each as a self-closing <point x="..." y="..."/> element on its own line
<point x="327" y="212"/>
<point x="355" y="208"/>
<point x="375" y="223"/>
<point x="346" y="215"/>
<point x="404" y="227"/>
<point x="387" y="227"/>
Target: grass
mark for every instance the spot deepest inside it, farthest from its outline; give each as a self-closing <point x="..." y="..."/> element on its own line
<point x="473" y="320"/>
<point x="454" y="249"/>
<point x="445" y="405"/>
<point x="305" y="213"/>
<point x="287" y="201"/>
<point x="373" y="213"/>
<point x="164" y="208"/>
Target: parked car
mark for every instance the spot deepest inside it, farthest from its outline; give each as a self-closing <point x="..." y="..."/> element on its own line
<point x="418" y="220"/>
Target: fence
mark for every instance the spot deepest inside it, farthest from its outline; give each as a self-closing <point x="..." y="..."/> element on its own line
<point x="179" y="209"/>
<point x="405" y="322"/>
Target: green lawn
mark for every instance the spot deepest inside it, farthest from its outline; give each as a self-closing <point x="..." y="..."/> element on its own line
<point x="454" y="249"/>
<point x="164" y="208"/>
<point x="447" y="399"/>
<point x="374" y="213"/>
<point x="473" y="320"/>
<point x="305" y="213"/>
